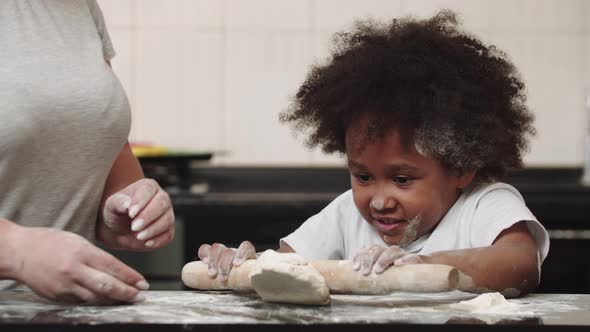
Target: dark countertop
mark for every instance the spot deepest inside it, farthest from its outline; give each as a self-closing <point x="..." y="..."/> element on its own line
<point x="221" y="311"/>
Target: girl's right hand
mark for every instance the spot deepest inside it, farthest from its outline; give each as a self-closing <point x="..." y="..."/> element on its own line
<point x="220" y="258"/>
<point x="377" y="258"/>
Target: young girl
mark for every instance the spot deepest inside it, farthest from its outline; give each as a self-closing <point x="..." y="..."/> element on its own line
<point x="430" y="119"/>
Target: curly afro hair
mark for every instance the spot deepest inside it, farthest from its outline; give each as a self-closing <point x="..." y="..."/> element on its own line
<point x="453" y="97"/>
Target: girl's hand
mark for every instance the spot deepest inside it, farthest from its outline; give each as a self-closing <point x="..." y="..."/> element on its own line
<point x="140" y="216"/>
<point x="377" y="258"/>
<point x="220" y="258"/>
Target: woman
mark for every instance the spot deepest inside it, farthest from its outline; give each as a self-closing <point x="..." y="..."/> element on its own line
<point x="67" y="174"/>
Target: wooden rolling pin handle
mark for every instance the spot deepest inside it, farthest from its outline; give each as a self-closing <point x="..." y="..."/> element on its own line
<point x="342" y="278"/>
<point x="194" y="275"/>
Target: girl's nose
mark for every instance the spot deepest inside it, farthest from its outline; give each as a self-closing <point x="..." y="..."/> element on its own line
<point x="383" y="198"/>
<point x="382" y="202"/>
<point x="377" y="203"/>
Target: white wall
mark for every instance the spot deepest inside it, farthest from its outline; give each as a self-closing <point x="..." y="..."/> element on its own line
<point x="214" y="74"/>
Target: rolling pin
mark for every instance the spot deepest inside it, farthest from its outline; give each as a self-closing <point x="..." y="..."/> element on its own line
<point x="343" y="279"/>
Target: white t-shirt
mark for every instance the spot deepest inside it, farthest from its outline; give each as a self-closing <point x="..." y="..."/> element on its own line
<point x="475" y="220"/>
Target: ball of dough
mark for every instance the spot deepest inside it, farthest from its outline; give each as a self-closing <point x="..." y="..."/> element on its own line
<point x="288" y="278"/>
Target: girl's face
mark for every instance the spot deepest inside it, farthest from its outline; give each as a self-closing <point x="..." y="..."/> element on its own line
<point x="400" y="192"/>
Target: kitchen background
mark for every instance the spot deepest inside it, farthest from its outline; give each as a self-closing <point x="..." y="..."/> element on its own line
<point x="214" y="74"/>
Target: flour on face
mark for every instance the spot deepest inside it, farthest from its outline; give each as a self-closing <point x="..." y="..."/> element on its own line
<point x="411" y="230"/>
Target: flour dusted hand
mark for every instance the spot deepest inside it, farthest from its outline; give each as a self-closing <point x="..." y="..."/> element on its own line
<point x="63" y="266"/>
<point x="220" y="258"/>
<point x="377" y="258"/>
<point x="142" y="215"/>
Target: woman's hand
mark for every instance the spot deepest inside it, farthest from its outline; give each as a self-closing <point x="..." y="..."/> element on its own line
<point x="139" y="217"/>
<point x="63" y="266"/>
<point x="378" y="258"/>
<point x="221" y="258"/>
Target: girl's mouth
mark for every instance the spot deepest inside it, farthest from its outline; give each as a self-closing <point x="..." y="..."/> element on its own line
<point x="387" y="225"/>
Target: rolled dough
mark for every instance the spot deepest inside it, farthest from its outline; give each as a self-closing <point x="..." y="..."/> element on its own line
<point x="288" y="278"/>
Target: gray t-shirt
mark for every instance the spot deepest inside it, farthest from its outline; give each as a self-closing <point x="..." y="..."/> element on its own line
<point x="64" y="116"/>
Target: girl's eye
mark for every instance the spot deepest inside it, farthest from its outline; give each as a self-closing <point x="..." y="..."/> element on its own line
<point x="363" y="177"/>
<point x="403" y="180"/>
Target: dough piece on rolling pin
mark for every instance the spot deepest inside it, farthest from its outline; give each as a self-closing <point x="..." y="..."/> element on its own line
<point x="288" y="278"/>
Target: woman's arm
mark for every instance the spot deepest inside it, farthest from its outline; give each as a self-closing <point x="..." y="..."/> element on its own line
<point x="125" y="171"/>
<point x="7" y="249"/>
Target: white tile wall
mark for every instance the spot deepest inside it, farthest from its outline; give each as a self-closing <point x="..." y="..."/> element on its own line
<point x="474" y="14"/>
<point x="215" y="74"/>
<point x="119" y="13"/>
<point x="537" y="16"/>
<point x="267" y="15"/>
<point x="334" y="15"/>
<point x="262" y="71"/>
<point x="192" y="14"/>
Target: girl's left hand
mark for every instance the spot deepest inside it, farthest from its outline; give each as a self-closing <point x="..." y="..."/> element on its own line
<point x="378" y="258"/>
<point x="141" y="215"/>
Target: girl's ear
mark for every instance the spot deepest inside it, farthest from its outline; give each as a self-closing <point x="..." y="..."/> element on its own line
<point x="465" y="179"/>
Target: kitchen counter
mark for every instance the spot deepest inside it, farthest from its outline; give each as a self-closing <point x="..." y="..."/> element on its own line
<point x="230" y="311"/>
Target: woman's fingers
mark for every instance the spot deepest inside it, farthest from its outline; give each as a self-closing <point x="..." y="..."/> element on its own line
<point x="102" y="261"/>
<point x="143" y="192"/>
<point x="104" y="285"/>
<point x="115" y="210"/>
<point x="161" y="239"/>
<point x="161" y="225"/>
<point x="157" y="207"/>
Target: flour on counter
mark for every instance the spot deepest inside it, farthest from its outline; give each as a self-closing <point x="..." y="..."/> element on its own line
<point x="489" y="303"/>
<point x="226" y="307"/>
